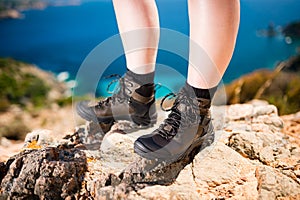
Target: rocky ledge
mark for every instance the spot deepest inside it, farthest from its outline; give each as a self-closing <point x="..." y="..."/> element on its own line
<point x="249" y="158"/>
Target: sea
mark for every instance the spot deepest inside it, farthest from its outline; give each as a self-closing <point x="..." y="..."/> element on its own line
<point x="60" y="39"/>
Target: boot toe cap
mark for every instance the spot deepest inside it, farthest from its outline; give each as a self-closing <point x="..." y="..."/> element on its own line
<point x="146" y="147"/>
<point x="85" y="111"/>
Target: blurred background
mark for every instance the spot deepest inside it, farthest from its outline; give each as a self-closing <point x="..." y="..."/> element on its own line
<point x="57" y="35"/>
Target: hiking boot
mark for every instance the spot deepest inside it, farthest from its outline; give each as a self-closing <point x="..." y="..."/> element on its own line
<point x="133" y="101"/>
<point x="185" y="129"/>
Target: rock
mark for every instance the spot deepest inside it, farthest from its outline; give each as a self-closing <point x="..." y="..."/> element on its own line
<point x="12" y="9"/>
<point x="240" y="112"/>
<point x="264" y="141"/>
<point x="264" y="110"/>
<point x="10" y="14"/>
<point x="257" y="145"/>
<point x="273" y="184"/>
<point x="247" y="158"/>
<point x="224" y="174"/>
<point x="39" y="138"/>
<point x="258" y="102"/>
<point x="292" y="126"/>
<point x="48" y="173"/>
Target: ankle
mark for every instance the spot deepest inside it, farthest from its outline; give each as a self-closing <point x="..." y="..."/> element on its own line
<point x="201" y="93"/>
<point x="141" y="79"/>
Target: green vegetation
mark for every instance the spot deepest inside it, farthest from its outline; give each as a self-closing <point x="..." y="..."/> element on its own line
<point x="279" y="88"/>
<point x="24" y="91"/>
<point x="64" y="101"/>
<point x="20" y="87"/>
<point x="284" y="92"/>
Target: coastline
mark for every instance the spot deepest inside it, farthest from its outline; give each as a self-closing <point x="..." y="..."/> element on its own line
<point x="16" y="12"/>
<point x="11" y="14"/>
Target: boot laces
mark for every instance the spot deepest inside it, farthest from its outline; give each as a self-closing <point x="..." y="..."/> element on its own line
<point x="184" y="112"/>
<point x="120" y="94"/>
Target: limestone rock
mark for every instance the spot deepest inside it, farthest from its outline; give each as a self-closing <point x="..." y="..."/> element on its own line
<point x="225" y="174"/>
<point x="248" y="157"/>
<point x="292" y="126"/>
<point x="40" y="138"/>
<point x="273" y="184"/>
<point x="49" y="173"/>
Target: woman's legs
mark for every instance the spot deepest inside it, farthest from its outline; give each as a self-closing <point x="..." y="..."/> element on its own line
<point x="139" y="28"/>
<point x="138" y="24"/>
<point x="213" y="27"/>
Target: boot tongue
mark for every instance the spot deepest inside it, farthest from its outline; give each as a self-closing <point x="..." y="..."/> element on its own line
<point x="181" y="107"/>
<point x="188" y="91"/>
<point x="198" y="103"/>
<point x="186" y="100"/>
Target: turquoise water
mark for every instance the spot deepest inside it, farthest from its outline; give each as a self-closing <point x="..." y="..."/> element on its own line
<point x="59" y="38"/>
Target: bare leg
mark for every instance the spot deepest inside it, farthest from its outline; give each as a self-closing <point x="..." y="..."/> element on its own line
<point x="138" y="24"/>
<point x="213" y="27"/>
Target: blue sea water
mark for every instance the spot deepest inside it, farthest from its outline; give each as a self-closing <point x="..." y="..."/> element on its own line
<point x="59" y="38"/>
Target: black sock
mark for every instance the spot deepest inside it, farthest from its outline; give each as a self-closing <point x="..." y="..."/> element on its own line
<point x="145" y="80"/>
<point x="146" y="90"/>
<point x="141" y="79"/>
<point x="201" y="93"/>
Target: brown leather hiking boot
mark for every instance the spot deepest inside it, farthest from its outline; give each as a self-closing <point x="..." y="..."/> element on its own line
<point x="128" y="103"/>
<point x="185" y="129"/>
